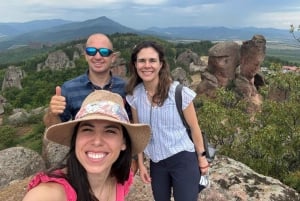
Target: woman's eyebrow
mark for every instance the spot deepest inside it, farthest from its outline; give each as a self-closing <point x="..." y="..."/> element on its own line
<point x="113" y="126"/>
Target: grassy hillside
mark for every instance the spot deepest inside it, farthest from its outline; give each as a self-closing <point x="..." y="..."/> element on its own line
<point x="285" y="51"/>
<point x="290" y="55"/>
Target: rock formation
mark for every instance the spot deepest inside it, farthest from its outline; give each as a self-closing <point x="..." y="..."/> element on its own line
<point x="223" y="59"/>
<point x="252" y="55"/>
<point x="188" y="57"/>
<point x="236" y="68"/>
<point x="12" y="78"/>
<point x="18" y="163"/>
<point x="56" y="61"/>
<point x="118" y="67"/>
<point x="179" y="74"/>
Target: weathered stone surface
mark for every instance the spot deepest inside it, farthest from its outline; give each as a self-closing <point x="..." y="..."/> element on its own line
<point x="2" y="103"/>
<point x="56" y="61"/>
<point x="179" y="74"/>
<point x="12" y="78"/>
<point x="236" y="68"/>
<point x="252" y="55"/>
<point x="18" y="117"/>
<point x="188" y="57"/>
<point x="241" y="183"/>
<point x="53" y="153"/>
<point x="17" y="163"/>
<point x="223" y="59"/>
<point x="118" y="67"/>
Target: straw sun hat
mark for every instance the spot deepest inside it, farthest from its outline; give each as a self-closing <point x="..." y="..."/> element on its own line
<point x="102" y="105"/>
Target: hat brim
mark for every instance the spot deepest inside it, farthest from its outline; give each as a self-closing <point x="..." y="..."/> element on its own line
<point x="139" y="133"/>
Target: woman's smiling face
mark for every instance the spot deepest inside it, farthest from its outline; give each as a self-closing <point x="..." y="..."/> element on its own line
<point x="148" y="64"/>
<point x="98" y="144"/>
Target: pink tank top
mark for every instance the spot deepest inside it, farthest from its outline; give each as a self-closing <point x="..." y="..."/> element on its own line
<point x="122" y="190"/>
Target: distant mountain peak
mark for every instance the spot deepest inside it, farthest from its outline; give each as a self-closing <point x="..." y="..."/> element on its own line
<point x="57" y="31"/>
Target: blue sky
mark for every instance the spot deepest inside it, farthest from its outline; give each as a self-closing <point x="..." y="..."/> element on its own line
<point x="141" y="14"/>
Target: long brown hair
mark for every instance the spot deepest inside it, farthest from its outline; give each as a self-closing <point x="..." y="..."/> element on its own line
<point x="165" y="79"/>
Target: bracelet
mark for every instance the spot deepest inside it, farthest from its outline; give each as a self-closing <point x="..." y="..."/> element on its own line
<point x="201" y="153"/>
<point x="204" y="166"/>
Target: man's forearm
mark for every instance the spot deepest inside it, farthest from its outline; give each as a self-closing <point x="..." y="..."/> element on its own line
<point x="51" y="119"/>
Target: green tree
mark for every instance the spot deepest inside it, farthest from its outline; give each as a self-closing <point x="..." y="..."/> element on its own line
<point x="7" y="135"/>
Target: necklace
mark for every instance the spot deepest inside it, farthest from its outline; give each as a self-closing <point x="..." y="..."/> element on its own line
<point x="150" y="96"/>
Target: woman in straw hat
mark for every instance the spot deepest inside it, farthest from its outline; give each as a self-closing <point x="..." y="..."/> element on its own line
<point x="102" y="142"/>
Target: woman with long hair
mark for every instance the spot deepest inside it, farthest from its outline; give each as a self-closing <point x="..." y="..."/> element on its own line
<point x="151" y="95"/>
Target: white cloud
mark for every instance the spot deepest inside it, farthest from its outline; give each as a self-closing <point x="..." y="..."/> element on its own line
<point x="280" y="19"/>
<point x="147" y="13"/>
<point x="150" y="2"/>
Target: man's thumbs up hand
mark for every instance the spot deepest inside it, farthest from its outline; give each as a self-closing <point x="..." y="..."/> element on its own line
<point x="57" y="102"/>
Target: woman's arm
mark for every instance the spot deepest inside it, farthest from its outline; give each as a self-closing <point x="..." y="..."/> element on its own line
<point x="142" y="168"/>
<point x="49" y="191"/>
<point x="192" y="120"/>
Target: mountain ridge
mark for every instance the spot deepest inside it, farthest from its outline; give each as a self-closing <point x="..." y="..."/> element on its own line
<point x="65" y="32"/>
<point x="17" y="28"/>
<point x="57" y="31"/>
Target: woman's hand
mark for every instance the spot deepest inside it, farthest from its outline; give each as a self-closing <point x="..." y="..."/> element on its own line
<point x="203" y="164"/>
<point x="144" y="174"/>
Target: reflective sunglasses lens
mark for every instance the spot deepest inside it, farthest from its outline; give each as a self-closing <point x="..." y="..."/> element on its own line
<point x="91" y="51"/>
<point x="105" y="52"/>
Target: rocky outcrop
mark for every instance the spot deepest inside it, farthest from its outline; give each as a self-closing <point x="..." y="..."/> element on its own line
<point x="12" y="78"/>
<point x="237" y="68"/>
<point x="179" y="74"/>
<point x="53" y="153"/>
<point x="20" y="116"/>
<point x="188" y="57"/>
<point x="223" y="59"/>
<point x="118" y="67"/>
<point x="195" y="66"/>
<point x="252" y="55"/>
<point x="56" y="61"/>
<point x="17" y="163"/>
<point x="2" y="103"/>
<point x="232" y="180"/>
<point x="81" y="49"/>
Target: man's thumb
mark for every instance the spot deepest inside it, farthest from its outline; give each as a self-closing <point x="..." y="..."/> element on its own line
<point x="58" y="91"/>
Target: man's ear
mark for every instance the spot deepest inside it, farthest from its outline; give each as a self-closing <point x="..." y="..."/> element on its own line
<point x="114" y="57"/>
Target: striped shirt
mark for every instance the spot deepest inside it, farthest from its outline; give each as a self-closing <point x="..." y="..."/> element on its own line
<point x="77" y="89"/>
<point x="169" y="135"/>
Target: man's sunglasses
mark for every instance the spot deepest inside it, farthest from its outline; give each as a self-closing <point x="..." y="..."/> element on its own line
<point x="104" y="52"/>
